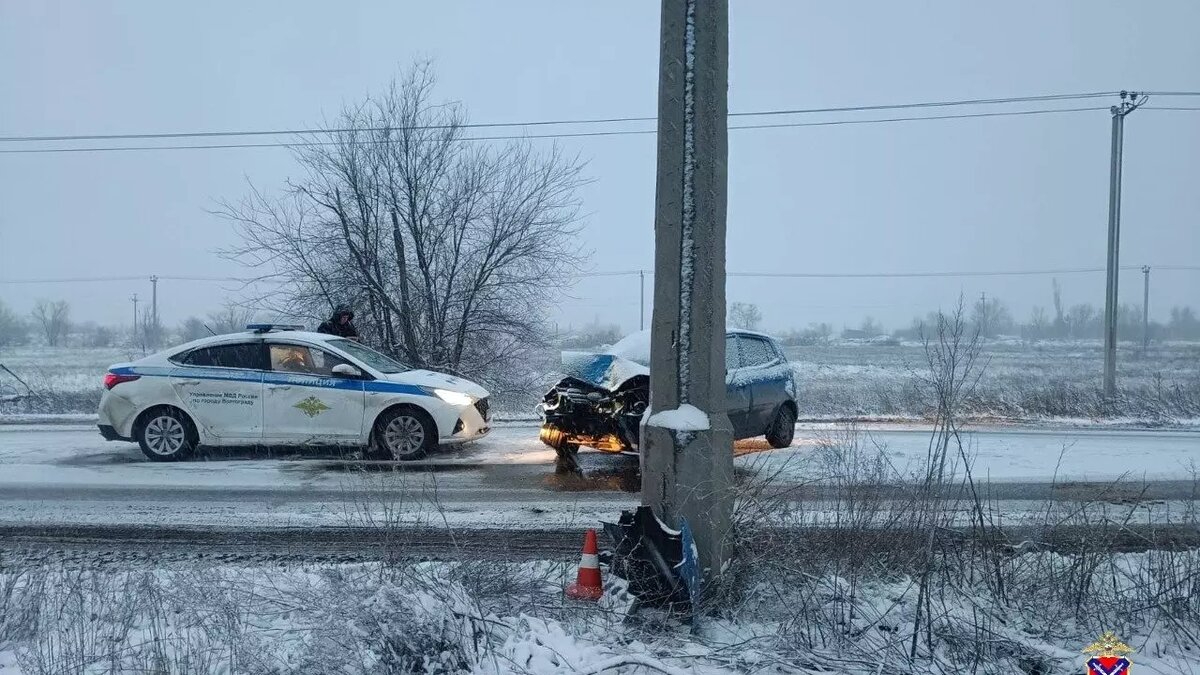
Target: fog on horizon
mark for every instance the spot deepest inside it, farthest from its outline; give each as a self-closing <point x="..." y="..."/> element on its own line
<point x="1019" y="193"/>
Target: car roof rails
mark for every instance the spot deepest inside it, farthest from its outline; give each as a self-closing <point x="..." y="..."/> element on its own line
<point x="272" y="327"/>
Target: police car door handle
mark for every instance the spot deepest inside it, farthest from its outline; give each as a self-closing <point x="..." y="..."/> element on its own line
<point x="279" y="386"/>
<point x="189" y="382"/>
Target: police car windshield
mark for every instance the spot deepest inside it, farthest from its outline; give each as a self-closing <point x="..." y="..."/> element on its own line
<point x="369" y="356"/>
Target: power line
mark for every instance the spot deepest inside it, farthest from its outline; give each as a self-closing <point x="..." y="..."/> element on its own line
<point x="582" y="134"/>
<point x="607" y="120"/>
<point x="905" y="275"/>
<point x="623" y="273"/>
<point x="1164" y="107"/>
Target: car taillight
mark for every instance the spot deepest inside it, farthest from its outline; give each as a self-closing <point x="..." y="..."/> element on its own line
<point x="113" y="379"/>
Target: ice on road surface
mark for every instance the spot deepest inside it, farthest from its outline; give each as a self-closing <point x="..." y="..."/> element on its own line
<point x="68" y="474"/>
<point x="75" y="454"/>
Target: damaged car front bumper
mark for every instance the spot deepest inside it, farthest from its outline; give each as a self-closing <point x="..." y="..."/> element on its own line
<point x="598" y="405"/>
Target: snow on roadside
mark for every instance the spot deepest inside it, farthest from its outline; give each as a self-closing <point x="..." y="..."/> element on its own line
<point x="497" y="619"/>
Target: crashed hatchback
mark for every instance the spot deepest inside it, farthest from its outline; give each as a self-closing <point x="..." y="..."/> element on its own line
<point x="601" y="401"/>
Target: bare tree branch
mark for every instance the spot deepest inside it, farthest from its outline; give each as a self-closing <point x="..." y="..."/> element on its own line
<point x="450" y="250"/>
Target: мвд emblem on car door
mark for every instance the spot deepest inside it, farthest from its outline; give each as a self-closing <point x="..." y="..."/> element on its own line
<point x="312" y="406"/>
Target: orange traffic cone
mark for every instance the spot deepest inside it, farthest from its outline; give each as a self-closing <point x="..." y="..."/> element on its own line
<point x="587" y="584"/>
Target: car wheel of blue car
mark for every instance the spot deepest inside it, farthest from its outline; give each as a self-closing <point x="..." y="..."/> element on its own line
<point x="783" y="427"/>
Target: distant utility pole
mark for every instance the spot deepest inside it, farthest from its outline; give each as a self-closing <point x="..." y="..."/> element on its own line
<point x="154" y="300"/>
<point x="135" y="323"/>
<point x="1130" y="101"/>
<point x="983" y="314"/>
<point x="1145" y="308"/>
<point x="687" y="440"/>
<point x="642" y="295"/>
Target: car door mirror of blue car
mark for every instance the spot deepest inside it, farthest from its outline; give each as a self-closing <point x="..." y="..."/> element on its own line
<point x="346" y="370"/>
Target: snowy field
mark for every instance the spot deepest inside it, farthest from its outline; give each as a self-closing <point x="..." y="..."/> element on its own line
<point x="1021" y="380"/>
<point x="823" y="615"/>
<point x="843" y="379"/>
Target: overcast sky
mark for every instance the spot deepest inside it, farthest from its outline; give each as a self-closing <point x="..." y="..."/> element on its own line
<point x="1007" y="193"/>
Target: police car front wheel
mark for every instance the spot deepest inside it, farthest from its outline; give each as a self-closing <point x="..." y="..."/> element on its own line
<point x="404" y="434"/>
<point x="166" y="435"/>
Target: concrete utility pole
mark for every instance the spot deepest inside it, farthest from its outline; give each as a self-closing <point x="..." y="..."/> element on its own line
<point x="153" y="338"/>
<point x="687" y="441"/>
<point x="154" y="299"/>
<point x="983" y="314"/>
<point x="1145" y="308"/>
<point x="1129" y="103"/>
<point x="135" y="324"/>
<point x="642" y="296"/>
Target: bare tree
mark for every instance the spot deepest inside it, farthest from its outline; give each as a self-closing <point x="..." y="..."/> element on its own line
<point x="1083" y="320"/>
<point x="594" y="334"/>
<point x="232" y="318"/>
<point x="54" y="319"/>
<point x="192" y="328"/>
<point x="1039" y="323"/>
<point x="991" y="317"/>
<point x="745" y="315"/>
<point x="870" y="327"/>
<point x="1060" y="318"/>
<point x="96" y="336"/>
<point x="954" y="366"/>
<point x="151" y="331"/>
<point x="13" y="331"/>
<point x="448" y="250"/>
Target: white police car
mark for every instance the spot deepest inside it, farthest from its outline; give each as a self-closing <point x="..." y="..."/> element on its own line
<point x="278" y="385"/>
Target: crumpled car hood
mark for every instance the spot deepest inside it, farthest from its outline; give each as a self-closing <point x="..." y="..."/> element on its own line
<point x="602" y="370"/>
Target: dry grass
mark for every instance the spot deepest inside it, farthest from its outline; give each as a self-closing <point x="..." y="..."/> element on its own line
<point x="895" y="576"/>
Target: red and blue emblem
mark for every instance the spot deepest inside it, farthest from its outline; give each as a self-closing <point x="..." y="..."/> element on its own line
<point x="1108" y="665"/>
<point x="1109" y="656"/>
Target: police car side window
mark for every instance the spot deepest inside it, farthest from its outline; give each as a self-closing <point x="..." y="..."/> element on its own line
<point x="300" y="359"/>
<point x="225" y="356"/>
<point x="757" y="352"/>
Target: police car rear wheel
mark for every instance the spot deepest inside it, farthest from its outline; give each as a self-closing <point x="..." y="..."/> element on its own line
<point x="166" y="435"/>
<point x="404" y="434"/>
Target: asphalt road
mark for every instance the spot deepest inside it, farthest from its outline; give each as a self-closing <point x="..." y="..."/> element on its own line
<point x="68" y="475"/>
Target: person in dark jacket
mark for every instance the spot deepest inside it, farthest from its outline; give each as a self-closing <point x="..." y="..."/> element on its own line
<point x="340" y="324"/>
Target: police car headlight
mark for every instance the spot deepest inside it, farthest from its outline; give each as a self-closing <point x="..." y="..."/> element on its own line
<point x="453" y="397"/>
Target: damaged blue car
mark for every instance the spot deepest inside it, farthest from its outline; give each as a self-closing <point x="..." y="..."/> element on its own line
<point x="601" y="401"/>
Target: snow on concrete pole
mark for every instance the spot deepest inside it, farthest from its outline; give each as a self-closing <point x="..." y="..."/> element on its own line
<point x="687" y="440"/>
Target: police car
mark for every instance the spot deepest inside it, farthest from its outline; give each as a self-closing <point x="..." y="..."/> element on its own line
<point x="279" y="386"/>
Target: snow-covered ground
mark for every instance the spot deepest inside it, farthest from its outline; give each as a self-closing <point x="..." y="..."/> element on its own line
<point x="840" y="379"/>
<point x="1031" y="381"/>
<point x="471" y="617"/>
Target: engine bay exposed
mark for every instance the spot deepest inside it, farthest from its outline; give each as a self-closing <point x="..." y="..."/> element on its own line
<point x="577" y="413"/>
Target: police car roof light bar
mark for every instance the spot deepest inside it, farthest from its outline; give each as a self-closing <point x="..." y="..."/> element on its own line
<point x="269" y="327"/>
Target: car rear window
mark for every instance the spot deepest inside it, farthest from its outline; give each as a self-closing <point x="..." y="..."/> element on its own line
<point x="243" y="355"/>
<point x="731" y="353"/>
<point x="757" y="352"/>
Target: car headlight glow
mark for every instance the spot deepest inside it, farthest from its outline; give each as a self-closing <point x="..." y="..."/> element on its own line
<point x="454" y="397"/>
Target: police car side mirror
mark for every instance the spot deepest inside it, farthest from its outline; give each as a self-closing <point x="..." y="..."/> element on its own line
<point x="346" y="370"/>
